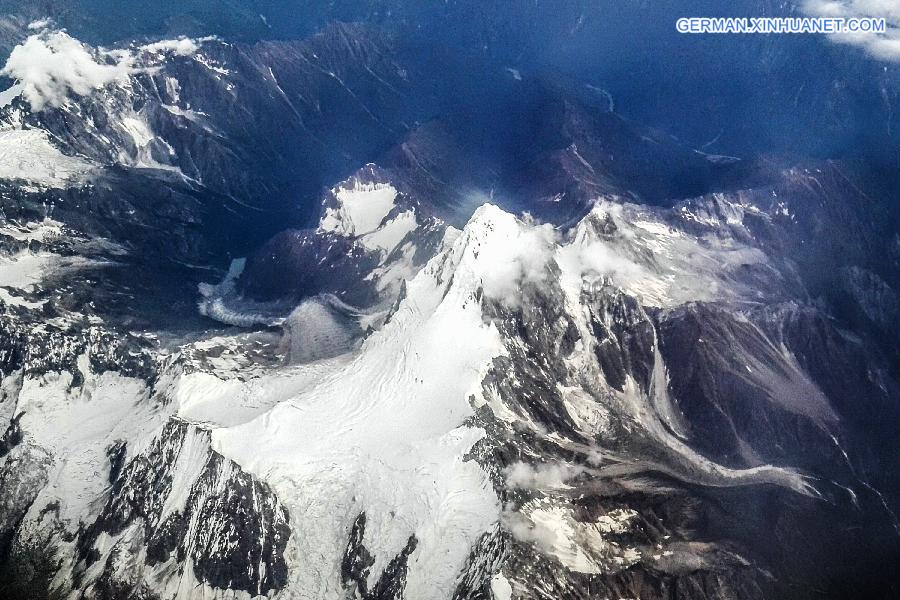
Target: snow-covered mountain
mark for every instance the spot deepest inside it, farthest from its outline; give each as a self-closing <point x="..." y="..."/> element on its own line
<point x="274" y="326"/>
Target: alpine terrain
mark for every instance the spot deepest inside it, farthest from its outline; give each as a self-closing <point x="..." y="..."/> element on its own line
<point x="384" y="299"/>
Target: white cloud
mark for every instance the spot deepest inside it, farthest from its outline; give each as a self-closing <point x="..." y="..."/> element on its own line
<point x="598" y="258"/>
<point x="520" y="252"/>
<point x="542" y="476"/>
<point x="51" y="65"/>
<point x="181" y="47"/>
<point x="884" y="46"/>
<point x="519" y="259"/>
<point x="39" y="24"/>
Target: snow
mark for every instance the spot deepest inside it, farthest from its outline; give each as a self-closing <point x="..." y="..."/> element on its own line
<point x="500" y="587"/>
<point x="136" y="127"/>
<point x="650" y="260"/>
<point x="212" y="65"/>
<point x="204" y="398"/>
<point x="582" y="546"/>
<point x="138" y="130"/>
<point x="27" y="154"/>
<point x="240" y="314"/>
<point x="223" y="303"/>
<point x="173" y="89"/>
<point x="389" y="277"/>
<point x="188" y="467"/>
<point x="212" y="400"/>
<point x="643" y="256"/>
<point x="10" y="94"/>
<point x="384" y="427"/>
<point x="389" y="236"/>
<point x="77" y="425"/>
<point x="32" y="231"/>
<point x="589" y="415"/>
<point x="22" y="271"/>
<point x="385" y="434"/>
<point x="194" y="116"/>
<point x="361" y="208"/>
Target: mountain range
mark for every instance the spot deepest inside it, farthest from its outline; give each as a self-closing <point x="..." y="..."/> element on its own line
<point x="492" y="300"/>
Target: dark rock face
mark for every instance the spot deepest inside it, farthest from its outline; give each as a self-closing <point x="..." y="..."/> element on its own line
<point x="486" y="559"/>
<point x="392" y="583"/>
<point x="116" y="453"/>
<point x="232" y="529"/>
<point x="12" y="437"/>
<point x="727" y="377"/>
<point x="624" y="335"/>
<point x="581" y="153"/>
<point x="357" y="561"/>
<point x="40" y="350"/>
<point x="25" y="569"/>
<point x="224" y="556"/>
<point x="298" y="252"/>
<point x="543" y="337"/>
